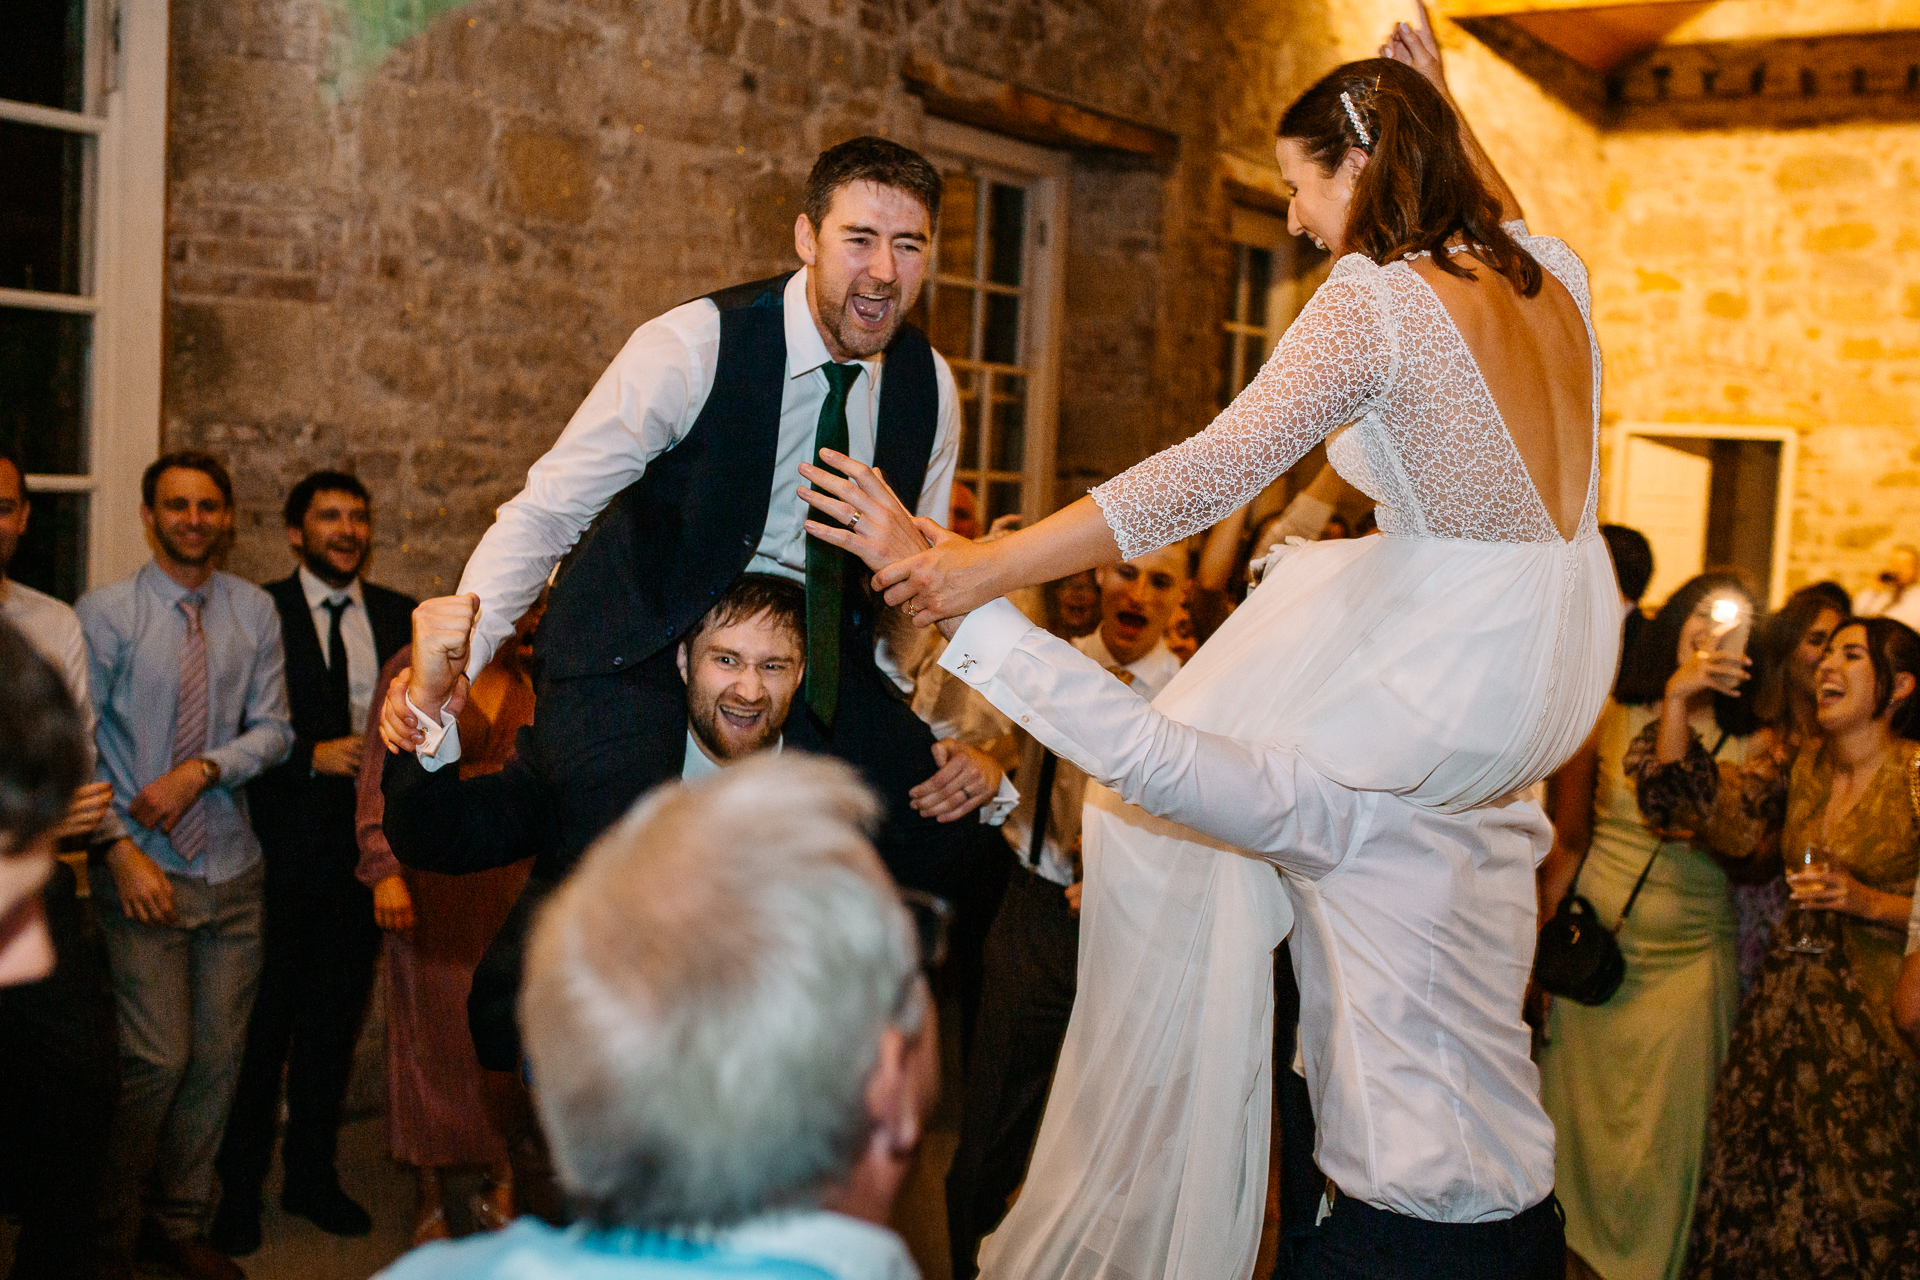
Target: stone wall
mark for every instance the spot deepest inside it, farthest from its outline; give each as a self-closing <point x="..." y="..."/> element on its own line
<point x="410" y="252"/>
<point x="1768" y="277"/>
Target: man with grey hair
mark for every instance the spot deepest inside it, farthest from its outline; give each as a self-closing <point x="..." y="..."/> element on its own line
<point x="730" y="1039"/>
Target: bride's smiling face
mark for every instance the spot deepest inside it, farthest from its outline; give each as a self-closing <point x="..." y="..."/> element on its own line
<point x="1320" y="201"/>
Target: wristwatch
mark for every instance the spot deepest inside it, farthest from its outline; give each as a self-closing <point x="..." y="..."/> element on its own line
<point x="212" y="769"/>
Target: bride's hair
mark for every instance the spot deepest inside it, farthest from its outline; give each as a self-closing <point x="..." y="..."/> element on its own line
<point x="1420" y="187"/>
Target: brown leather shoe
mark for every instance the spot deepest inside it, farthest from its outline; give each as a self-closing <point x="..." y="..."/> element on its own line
<point x="197" y="1260"/>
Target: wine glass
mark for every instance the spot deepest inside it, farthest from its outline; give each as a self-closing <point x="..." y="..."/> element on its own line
<point x="1812" y="861"/>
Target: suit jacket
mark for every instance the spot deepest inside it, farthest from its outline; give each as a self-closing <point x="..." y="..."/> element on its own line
<point x="305" y="820"/>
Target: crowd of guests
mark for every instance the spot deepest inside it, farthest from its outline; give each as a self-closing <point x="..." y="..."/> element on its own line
<point x="249" y="854"/>
<point x="1748" y="824"/>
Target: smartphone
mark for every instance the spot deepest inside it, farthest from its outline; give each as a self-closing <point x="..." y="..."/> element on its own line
<point x="1732" y="626"/>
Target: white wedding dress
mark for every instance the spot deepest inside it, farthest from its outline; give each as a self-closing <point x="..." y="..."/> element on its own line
<point x="1456" y="660"/>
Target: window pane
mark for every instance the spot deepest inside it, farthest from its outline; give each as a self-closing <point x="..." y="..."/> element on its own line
<point x="958" y="217"/>
<point x="952" y="330"/>
<point x="1229" y="382"/>
<point x="41" y="59"/>
<point x="43" y="388"/>
<point x="968" y="380"/>
<point x="41" y="203"/>
<point x="1259" y="280"/>
<point x="1006" y="233"/>
<point x="1002" y="344"/>
<point x="1002" y="496"/>
<point x="1253" y="348"/>
<point x="1008" y="446"/>
<point x="53" y="555"/>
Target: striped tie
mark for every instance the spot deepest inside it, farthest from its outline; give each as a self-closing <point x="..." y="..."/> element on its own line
<point x="190" y="725"/>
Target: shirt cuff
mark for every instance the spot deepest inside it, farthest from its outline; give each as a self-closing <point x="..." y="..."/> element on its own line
<point x="984" y="640"/>
<point x="1005" y="800"/>
<point x="440" y="742"/>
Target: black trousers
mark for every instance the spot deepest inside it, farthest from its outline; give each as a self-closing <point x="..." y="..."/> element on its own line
<point x="60" y="1076"/>
<point x="1358" y="1240"/>
<point x="1030" y="970"/>
<point x="316" y="974"/>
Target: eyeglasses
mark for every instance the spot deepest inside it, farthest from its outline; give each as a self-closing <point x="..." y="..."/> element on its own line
<point x="932" y="919"/>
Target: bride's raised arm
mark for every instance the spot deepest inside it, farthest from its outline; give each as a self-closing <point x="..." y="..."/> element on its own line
<point x="1333" y="359"/>
<point x="1419" y="48"/>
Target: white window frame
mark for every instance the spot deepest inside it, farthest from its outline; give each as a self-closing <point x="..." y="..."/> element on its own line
<point x="1044" y="174"/>
<point x="125" y="257"/>
<point x="1786" y="437"/>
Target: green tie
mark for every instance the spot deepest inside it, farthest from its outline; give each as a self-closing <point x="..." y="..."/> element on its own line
<point x="826" y="565"/>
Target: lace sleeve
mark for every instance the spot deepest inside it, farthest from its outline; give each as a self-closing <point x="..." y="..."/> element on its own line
<point x="1336" y="356"/>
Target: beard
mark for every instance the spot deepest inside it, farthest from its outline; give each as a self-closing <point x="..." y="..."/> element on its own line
<point x="837" y="315"/>
<point x="703" y="718"/>
<point x="180" y="554"/>
<point x="323" y="569"/>
<point x="9" y="543"/>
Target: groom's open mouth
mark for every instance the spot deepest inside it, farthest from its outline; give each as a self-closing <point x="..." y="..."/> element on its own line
<point x="1130" y="621"/>
<point x="871" y="309"/>
<point x="742" y="720"/>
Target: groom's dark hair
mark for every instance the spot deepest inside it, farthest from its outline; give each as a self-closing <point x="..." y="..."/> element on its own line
<point x="873" y="160"/>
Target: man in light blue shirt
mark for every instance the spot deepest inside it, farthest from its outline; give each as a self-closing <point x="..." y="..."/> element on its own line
<point x="730" y="1040"/>
<point x="190" y="703"/>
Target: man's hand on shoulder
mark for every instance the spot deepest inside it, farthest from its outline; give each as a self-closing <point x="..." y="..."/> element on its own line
<point x="437" y="682"/>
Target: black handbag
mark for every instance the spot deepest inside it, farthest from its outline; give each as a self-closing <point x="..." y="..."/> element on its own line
<point x="1578" y="957"/>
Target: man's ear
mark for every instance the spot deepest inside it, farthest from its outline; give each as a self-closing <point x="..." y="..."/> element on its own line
<point x="804" y="243"/>
<point x="892" y="1110"/>
<point x="294" y="539"/>
<point x="680" y="661"/>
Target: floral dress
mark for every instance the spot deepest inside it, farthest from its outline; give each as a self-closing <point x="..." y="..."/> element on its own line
<point x="1813" y="1149"/>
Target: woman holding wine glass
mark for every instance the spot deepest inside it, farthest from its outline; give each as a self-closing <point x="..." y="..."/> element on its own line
<point x="1813" y="1149"/>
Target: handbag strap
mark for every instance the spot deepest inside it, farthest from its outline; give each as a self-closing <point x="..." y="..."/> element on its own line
<point x="1648" y="869"/>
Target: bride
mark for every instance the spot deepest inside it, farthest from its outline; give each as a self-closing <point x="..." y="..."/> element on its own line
<point x="1363" y="723"/>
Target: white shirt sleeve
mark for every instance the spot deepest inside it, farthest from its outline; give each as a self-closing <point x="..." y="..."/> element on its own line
<point x="439" y="739"/>
<point x="1264" y="799"/>
<point x="644" y="404"/>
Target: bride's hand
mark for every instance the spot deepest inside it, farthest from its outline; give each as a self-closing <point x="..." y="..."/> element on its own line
<point x="874" y="524"/>
<point x="1418" y="47"/>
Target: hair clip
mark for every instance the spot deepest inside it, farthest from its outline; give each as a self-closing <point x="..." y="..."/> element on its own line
<point x="1366" y="139"/>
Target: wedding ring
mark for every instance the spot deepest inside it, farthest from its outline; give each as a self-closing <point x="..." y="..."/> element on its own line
<point x="853" y="522"/>
<point x="911" y="611"/>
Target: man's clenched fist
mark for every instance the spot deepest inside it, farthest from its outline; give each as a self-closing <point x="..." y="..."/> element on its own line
<point x="437" y="682"/>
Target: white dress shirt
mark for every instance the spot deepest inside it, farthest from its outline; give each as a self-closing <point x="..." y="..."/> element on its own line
<point x="53" y="629"/>
<point x="1150" y="673"/>
<point x="356" y="629"/>
<point x="646" y="403"/>
<point x="1413" y="937"/>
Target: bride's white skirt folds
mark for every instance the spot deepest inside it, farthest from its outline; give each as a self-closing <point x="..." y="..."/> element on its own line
<point x="1452" y="672"/>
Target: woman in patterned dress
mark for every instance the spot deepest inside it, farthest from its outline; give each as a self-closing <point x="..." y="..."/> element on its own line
<point x="1813" y="1150"/>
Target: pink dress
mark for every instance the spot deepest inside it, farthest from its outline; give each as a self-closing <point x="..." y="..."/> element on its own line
<point x="436" y="1109"/>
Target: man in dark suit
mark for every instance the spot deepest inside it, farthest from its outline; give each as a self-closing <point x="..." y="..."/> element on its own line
<point x="321" y="939"/>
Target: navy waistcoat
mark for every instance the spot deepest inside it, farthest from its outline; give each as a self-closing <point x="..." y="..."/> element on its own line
<point x="670" y="543"/>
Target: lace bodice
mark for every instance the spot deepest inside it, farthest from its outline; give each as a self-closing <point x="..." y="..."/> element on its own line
<point x="1376" y="353"/>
